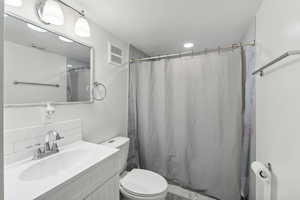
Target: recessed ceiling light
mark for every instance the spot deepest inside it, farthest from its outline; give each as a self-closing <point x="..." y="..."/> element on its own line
<point x="188" y="45"/>
<point x="15" y="3"/>
<point x="65" y="39"/>
<point x="36" y="28"/>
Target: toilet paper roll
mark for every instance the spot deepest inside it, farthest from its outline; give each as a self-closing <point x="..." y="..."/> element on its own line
<point x="261" y="171"/>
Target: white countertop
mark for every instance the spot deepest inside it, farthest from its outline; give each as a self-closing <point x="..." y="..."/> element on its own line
<point x="29" y="179"/>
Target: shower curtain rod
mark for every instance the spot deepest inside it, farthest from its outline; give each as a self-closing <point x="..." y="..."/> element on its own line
<point x="192" y="53"/>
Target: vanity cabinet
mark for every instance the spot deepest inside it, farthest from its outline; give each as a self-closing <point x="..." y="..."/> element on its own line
<point x="100" y="182"/>
<point x="109" y="191"/>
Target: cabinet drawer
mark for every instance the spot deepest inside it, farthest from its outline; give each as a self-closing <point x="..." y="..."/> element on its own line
<point x="108" y="191"/>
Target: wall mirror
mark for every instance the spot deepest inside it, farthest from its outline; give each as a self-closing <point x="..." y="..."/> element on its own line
<point x="42" y="66"/>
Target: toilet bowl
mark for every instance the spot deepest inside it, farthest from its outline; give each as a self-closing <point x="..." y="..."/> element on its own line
<point x="138" y="184"/>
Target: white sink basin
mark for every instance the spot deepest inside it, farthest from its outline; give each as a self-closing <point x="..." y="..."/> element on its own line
<point x="55" y="164"/>
<point x="33" y="178"/>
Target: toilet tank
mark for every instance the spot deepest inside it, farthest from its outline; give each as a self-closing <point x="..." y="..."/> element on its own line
<point x="121" y="143"/>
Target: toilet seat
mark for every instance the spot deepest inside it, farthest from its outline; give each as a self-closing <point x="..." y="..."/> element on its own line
<point x="144" y="184"/>
<point x="136" y="197"/>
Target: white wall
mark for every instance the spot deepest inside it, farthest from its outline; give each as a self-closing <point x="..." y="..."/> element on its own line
<point x="278" y="97"/>
<point x="1" y="100"/>
<point x="250" y="35"/>
<point x="101" y="120"/>
<point x="23" y="63"/>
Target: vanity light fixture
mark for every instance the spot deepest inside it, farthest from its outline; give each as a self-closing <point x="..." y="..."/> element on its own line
<point x="36" y="28"/>
<point x="82" y="27"/>
<point x="65" y="39"/>
<point x="188" y="45"/>
<point x="14" y="3"/>
<point x="50" y="12"/>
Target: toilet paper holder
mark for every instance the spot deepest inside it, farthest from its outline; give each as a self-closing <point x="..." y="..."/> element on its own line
<point x="261" y="173"/>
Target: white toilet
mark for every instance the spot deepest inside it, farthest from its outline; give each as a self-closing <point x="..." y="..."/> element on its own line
<point x="138" y="184"/>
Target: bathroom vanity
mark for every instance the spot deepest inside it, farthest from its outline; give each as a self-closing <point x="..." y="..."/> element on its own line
<point x="51" y="67"/>
<point x="80" y="171"/>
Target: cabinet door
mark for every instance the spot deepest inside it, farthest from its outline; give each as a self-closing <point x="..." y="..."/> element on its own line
<point x="108" y="191"/>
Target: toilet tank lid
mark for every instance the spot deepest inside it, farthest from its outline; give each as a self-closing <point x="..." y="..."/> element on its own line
<point x="116" y="142"/>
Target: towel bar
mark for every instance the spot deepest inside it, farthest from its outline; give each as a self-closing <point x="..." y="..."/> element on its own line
<point x="287" y="54"/>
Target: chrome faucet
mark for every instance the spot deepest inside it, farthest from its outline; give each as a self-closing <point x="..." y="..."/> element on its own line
<point x="50" y="146"/>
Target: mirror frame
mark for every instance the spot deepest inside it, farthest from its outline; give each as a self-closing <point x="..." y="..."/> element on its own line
<point x="92" y="69"/>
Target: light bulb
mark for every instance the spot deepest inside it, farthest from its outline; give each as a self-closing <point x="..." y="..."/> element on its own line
<point x="15" y="3"/>
<point x="52" y="13"/>
<point x="188" y="45"/>
<point x="82" y="27"/>
<point x="36" y="28"/>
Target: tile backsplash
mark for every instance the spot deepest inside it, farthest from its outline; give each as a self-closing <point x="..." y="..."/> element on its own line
<point x="21" y="143"/>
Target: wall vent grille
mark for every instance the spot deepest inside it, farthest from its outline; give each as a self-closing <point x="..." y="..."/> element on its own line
<point x="115" y="54"/>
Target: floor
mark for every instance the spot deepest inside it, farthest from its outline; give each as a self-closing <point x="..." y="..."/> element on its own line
<point x="178" y="193"/>
<point x="175" y="197"/>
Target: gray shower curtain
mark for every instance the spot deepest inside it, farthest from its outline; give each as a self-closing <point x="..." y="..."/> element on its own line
<point x="248" y="137"/>
<point x="133" y="156"/>
<point x="187" y="117"/>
